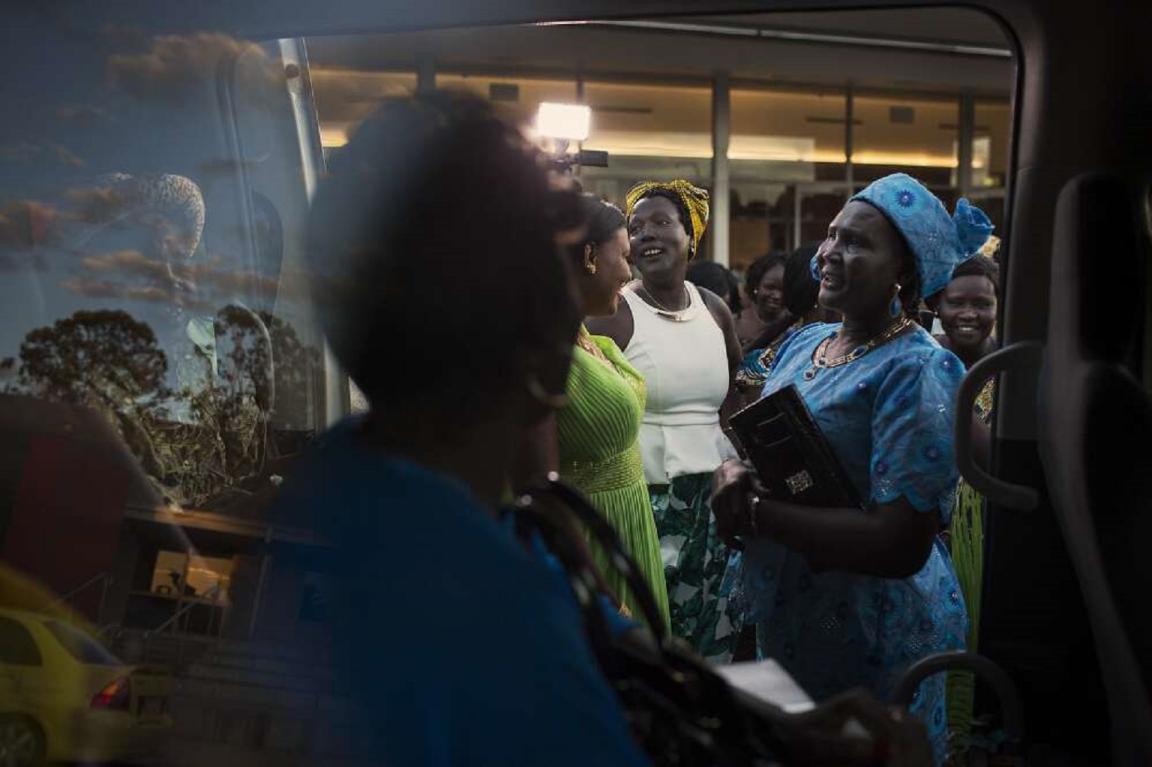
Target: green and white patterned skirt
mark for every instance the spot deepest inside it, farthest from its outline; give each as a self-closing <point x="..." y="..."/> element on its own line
<point x="695" y="560"/>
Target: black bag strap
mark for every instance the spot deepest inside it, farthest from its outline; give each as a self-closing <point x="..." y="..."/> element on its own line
<point x="603" y="534"/>
<point x="534" y="517"/>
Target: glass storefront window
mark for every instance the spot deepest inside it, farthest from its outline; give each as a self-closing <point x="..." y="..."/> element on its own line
<point x="649" y="132"/>
<point x="344" y="97"/>
<point x="892" y="132"/>
<point x="783" y="144"/>
<point x="780" y="128"/>
<point x="516" y="99"/>
<point x="993" y="126"/>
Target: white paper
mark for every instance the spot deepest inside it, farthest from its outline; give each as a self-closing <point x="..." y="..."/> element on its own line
<point x="766" y="680"/>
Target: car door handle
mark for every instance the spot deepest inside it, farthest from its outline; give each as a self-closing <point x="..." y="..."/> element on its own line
<point x="1025" y="355"/>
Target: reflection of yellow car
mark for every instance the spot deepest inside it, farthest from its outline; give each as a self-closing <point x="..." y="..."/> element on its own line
<point x="63" y="696"/>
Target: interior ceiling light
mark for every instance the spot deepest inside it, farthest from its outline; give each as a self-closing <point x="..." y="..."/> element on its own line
<point x="564" y="122"/>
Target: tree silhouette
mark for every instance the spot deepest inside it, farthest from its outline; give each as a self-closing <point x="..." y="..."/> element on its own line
<point x="8" y="376"/>
<point x="205" y="445"/>
<point x="267" y="361"/>
<point x="103" y="359"/>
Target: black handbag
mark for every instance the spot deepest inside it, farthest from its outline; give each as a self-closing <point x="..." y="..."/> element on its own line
<point x="792" y="456"/>
<point x="682" y="713"/>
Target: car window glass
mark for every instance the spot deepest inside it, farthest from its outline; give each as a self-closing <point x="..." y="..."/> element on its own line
<point x="17" y="645"/>
<point x="162" y="371"/>
<point x="81" y="646"/>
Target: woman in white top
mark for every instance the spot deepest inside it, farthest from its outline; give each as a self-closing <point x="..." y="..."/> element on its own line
<point x="683" y="340"/>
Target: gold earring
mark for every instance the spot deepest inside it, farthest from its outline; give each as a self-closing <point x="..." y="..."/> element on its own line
<point x="591" y="268"/>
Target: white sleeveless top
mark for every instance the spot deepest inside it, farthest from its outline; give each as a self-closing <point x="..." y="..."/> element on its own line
<point x="685" y="366"/>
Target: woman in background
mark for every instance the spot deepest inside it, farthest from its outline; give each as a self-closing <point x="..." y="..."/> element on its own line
<point x="800" y="290"/>
<point x="682" y="340"/>
<point x="598" y="429"/>
<point x="967" y="312"/>
<point x="718" y="279"/>
<point x="765" y="312"/>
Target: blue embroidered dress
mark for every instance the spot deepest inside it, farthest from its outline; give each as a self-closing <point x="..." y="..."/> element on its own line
<point x="888" y="416"/>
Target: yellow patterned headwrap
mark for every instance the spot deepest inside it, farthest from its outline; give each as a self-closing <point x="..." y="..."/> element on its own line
<point x="991" y="248"/>
<point x="693" y="198"/>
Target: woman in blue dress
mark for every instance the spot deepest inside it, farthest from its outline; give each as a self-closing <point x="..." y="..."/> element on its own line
<point x="845" y="597"/>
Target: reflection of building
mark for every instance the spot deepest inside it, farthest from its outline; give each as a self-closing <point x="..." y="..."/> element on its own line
<point x="95" y="532"/>
<point x="779" y="114"/>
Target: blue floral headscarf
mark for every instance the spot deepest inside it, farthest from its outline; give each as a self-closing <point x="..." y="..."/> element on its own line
<point x="939" y="241"/>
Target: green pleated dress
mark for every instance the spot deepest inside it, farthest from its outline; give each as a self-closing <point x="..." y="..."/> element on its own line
<point x="600" y="456"/>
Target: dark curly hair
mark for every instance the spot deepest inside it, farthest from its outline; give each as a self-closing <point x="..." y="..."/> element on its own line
<point x="600" y="219"/>
<point x="980" y="266"/>
<point x="800" y="289"/>
<point x="718" y="279"/>
<point x="432" y="244"/>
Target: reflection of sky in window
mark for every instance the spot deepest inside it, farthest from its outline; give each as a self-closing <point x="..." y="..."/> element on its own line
<point x="143" y="109"/>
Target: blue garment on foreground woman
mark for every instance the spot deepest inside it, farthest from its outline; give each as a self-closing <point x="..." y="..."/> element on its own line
<point x="459" y="644"/>
<point x="888" y="416"/>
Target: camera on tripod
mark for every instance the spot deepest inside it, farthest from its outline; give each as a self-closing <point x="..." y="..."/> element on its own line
<point x="562" y="124"/>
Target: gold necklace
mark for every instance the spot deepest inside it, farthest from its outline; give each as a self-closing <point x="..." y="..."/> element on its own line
<point x="676" y="315"/>
<point x="585" y="342"/>
<point x="820" y="355"/>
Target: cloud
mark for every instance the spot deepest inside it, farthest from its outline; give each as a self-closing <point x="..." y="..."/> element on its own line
<point x="11" y="231"/>
<point x="130" y="274"/>
<point x="83" y="114"/>
<point x="228" y="167"/>
<point x="233" y="282"/>
<point x="28" y="261"/>
<point x="176" y="65"/>
<point x="25" y="223"/>
<point x="108" y="289"/>
<point x="97" y="204"/>
<point x="94" y="287"/>
<point x="40" y="152"/>
<point x="128" y="262"/>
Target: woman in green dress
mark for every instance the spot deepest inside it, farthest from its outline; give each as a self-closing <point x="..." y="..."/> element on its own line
<point x="597" y="430"/>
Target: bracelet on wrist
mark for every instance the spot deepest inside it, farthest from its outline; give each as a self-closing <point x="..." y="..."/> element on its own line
<point x="752" y="517"/>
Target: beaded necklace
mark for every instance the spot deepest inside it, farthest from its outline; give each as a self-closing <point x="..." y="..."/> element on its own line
<point x="820" y="355"/>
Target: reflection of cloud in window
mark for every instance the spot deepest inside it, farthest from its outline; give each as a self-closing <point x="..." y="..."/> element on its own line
<point x="128" y="262"/>
<point x="39" y="152"/>
<point x="175" y="65"/>
<point x="168" y="210"/>
<point x="157" y="281"/>
<point x="235" y="282"/>
<point x="106" y="289"/>
<point x="25" y="223"/>
<point x="83" y="114"/>
<point x="97" y="204"/>
<point x="228" y="167"/>
<point x="23" y="262"/>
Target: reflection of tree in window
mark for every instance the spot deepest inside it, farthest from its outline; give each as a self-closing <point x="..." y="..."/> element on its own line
<point x="101" y="359"/>
<point x="205" y="446"/>
<point x="196" y="392"/>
